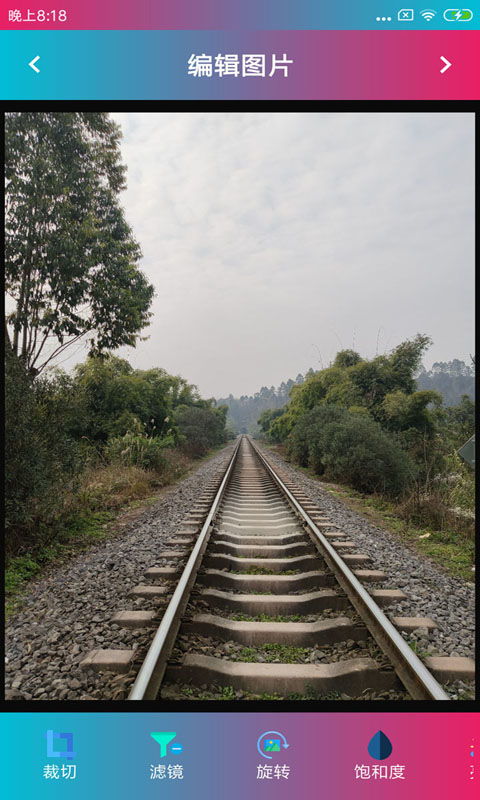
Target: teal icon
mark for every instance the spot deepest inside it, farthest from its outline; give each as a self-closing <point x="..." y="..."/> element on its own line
<point x="380" y="746"/>
<point x="163" y="740"/>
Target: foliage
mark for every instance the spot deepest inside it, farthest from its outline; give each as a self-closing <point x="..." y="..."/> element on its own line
<point x="266" y="419"/>
<point x="346" y="358"/>
<point x="400" y="411"/>
<point x="244" y="411"/>
<point x="351" y="448"/>
<point x="457" y="423"/>
<point x="200" y="428"/>
<point x="71" y="260"/>
<point x="116" y="395"/>
<point x="41" y="458"/>
<point x="452" y="379"/>
<point x="60" y="427"/>
<point x="302" y="443"/>
<point x="136" y="449"/>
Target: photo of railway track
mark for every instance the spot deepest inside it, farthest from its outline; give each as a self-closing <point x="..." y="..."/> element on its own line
<point x="175" y="535"/>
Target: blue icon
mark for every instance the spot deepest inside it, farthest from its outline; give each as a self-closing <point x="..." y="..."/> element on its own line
<point x="268" y="744"/>
<point x="54" y="751"/>
<point x="380" y="746"/>
<point x="405" y="15"/>
<point x="458" y="14"/>
<point x="163" y="738"/>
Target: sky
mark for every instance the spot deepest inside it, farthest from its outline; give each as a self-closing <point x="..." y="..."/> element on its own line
<point x="274" y="240"/>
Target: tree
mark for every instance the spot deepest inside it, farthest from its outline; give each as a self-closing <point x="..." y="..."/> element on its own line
<point x="115" y="395"/>
<point x="267" y="417"/>
<point x="71" y="260"/>
<point x="346" y="358"/>
<point x="201" y="428"/>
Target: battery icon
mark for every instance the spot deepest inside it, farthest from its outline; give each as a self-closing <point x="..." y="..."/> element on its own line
<point x="458" y="15"/>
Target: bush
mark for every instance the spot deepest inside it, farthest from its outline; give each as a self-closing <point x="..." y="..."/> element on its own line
<point x="302" y="442"/>
<point x="353" y="449"/>
<point x="200" y="428"/>
<point x="41" y="460"/>
<point x="136" y="449"/>
<point x="357" y="451"/>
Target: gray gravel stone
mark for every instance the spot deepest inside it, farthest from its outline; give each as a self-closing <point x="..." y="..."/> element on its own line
<point x="431" y="592"/>
<point x="67" y="612"/>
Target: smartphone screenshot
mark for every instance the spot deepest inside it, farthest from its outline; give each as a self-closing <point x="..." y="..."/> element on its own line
<point x="239" y="374"/>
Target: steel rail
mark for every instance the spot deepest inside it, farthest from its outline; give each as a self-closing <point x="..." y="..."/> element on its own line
<point x="150" y="676"/>
<point x="416" y="678"/>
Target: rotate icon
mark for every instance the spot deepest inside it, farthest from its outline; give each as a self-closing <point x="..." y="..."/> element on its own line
<point x="271" y="742"/>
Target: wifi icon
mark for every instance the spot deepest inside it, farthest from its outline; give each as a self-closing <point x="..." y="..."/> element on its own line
<point x="428" y="14"/>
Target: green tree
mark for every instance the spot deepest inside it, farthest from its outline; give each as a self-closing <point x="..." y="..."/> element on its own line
<point x="201" y="428"/>
<point x="266" y="418"/>
<point x="71" y="260"/>
<point x="116" y="395"/>
<point x="346" y="358"/>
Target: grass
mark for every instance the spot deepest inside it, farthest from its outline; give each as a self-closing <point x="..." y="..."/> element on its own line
<point x="267" y="618"/>
<point x="105" y="492"/>
<point x="286" y="654"/>
<point x="449" y="549"/>
<point x="230" y="693"/>
<point x="260" y="571"/>
<point x="419" y="650"/>
<point x="76" y="535"/>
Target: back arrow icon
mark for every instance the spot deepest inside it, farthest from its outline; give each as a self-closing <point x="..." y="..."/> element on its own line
<point x="32" y="63"/>
<point x="446" y="62"/>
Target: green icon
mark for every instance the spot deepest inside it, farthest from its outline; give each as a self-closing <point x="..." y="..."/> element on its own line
<point x="458" y="14"/>
<point x="163" y="740"/>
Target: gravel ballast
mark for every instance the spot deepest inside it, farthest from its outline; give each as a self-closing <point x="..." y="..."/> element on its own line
<point x="68" y="612"/>
<point x="430" y="592"/>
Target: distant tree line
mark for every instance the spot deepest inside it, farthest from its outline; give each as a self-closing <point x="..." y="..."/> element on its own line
<point x="244" y="411"/>
<point x="452" y="379"/>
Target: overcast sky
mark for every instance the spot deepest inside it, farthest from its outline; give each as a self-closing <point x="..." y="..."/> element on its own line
<point x="274" y="240"/>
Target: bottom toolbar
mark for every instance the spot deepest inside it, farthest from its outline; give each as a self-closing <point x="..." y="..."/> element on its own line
<point x="235" y="755"/>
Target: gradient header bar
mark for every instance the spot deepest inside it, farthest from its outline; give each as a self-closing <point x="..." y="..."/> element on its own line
<point x="234" y="15"/>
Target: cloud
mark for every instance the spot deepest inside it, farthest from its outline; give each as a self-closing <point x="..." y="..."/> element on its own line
<point x="265" y="234"/>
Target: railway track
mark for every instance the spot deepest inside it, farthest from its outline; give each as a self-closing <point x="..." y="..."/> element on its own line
<point x="262" y="593"/>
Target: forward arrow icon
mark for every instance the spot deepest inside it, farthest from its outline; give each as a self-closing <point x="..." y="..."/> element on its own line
<point x="446" y="62"/>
